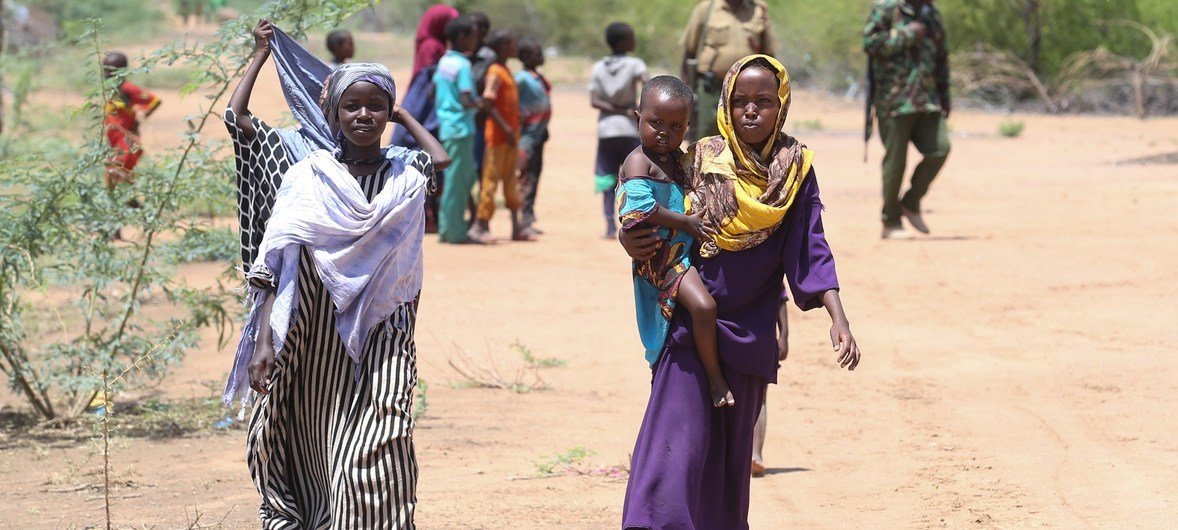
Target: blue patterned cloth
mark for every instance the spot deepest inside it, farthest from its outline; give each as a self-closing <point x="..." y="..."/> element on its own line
<point x="302" y="76"/>
<point x="656" y="281"/>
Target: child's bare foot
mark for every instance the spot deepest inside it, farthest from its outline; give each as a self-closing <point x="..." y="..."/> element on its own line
<point x="482" y="237"/>
<point x="525" y="234"/>
<point x="721" y="395"/>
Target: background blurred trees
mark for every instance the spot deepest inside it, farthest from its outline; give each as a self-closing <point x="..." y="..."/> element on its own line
<point x="821" y="41"/>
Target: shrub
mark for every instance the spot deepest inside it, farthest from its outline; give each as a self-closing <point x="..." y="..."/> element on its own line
<point x="1010" y="129"/>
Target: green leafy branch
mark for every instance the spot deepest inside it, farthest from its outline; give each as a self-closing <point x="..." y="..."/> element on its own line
<point x="56" y="219"/>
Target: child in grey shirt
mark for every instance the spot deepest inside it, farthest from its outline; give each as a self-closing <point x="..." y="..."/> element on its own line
<point x="613" y="90"/>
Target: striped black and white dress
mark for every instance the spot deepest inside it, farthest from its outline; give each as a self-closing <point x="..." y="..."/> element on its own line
<point x="331" y="445"/>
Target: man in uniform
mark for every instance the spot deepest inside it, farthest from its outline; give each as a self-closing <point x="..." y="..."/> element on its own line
<point x="719" y="33"/>
<point x="908" y="72"/>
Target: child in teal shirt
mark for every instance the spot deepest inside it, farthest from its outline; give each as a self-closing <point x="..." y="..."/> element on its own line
<point x="650" y="193"/>
<point x="535" y="109"/>
<point x="455" y="103"/>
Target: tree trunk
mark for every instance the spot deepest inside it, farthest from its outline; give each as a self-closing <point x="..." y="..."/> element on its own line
<point x="1033" y="23"/>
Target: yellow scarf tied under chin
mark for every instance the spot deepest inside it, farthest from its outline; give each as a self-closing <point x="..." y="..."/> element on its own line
<point x="745" y="198"/>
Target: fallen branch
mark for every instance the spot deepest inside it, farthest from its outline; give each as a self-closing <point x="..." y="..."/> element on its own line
<point x="70" y="489"/>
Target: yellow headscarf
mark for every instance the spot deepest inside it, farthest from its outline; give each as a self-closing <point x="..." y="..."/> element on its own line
<point x="746" y="194"/>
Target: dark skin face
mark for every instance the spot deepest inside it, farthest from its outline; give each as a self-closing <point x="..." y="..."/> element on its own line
<point x="505" y="50"/>
<point x="344" y="50"/>
<point x="364" y="111"/>
<point x="627" y="43"/>
<point x="112" y="63"/>
<point x="662" y="123"/>
<point x="531" y="57"/>
<point x="754" y="106"/>
<point x="480" y="34"/>
<point x="466" y="43"/>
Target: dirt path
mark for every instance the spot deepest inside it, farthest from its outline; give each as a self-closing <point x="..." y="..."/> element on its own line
<point x="1019" y="364"/>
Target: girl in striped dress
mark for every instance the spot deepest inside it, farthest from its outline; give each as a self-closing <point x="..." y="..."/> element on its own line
<point x="328" y="346"/>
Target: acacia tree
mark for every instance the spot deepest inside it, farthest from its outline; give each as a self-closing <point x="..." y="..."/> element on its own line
<point x="56" y="218"/>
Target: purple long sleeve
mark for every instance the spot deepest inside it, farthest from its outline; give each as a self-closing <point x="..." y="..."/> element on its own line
<point x="808" y="262"/>
<point x="748" y="286"/>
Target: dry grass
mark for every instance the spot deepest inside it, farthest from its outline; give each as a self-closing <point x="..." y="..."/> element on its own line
<point x="486" y="373"/>
<point x="986" y="70"/>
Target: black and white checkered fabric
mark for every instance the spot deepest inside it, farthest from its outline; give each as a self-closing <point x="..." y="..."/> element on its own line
<point x="260" y="163"/>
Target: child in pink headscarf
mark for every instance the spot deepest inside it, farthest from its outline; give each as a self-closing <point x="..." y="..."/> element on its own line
<point x="431" y="36"/>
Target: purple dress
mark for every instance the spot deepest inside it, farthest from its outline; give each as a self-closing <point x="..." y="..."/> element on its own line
<point x="691" y="463"/>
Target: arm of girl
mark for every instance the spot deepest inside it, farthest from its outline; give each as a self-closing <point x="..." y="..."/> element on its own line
<point x="809" y="269"/>
<point x="468" y="101"/>
<point x="240" y="100"/>
<point x="428" y="143"/>
<point x="840" y="331"/>
<point x="494" y="114"/>
<point x="262" y="363"/>
<point x="782" y="330"/>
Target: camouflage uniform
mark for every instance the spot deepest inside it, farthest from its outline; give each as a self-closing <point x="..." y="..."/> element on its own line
<point x="910" y="79"/>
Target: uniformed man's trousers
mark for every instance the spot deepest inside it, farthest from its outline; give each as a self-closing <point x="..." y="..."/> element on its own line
<point x="707" y="97"/>
<point x="928" y="132"/>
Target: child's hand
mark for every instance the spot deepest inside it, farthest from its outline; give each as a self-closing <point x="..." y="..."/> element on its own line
<point x="262" y="35"/>
<point x="699" y="228"/>
<point x="844" y="345"/>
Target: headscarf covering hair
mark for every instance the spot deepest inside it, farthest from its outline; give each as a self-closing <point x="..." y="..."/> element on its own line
<point x="430" y="43"/>
<point x="345" y="76"/>
<point x="745" y="193"/>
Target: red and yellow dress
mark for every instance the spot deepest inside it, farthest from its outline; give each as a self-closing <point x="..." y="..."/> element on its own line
<point x="122" y="130"/>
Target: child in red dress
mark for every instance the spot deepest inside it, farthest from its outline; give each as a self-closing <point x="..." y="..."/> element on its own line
<point x="122" y="122"/>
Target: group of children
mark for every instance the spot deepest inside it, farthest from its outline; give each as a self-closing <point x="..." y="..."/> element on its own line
<point x="494" y="125"/>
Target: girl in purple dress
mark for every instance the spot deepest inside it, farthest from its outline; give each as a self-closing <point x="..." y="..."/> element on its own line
<point x="691" y="462"/>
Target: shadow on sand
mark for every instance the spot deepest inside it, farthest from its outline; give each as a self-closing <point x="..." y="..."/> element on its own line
<point x="784" y="470"/>
<point x="926" y="239"/>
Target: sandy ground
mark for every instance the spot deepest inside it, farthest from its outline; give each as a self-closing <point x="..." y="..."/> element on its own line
<point x="1019" y="364"/>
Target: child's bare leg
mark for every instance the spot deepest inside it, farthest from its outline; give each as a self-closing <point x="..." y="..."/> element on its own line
<point x="758" y="468"/>
<point x="699" y="303"/>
